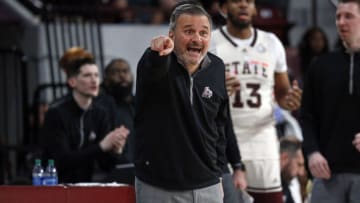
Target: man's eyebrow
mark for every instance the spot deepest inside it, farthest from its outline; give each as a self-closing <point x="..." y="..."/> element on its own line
<point x="190" y="25"/>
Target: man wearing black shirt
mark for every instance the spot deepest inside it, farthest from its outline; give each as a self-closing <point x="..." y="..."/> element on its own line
<point x="76" y="131"/>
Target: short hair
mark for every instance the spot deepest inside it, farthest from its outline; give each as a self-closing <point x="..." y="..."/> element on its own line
<point x="290" y="144"/>
<point x="187" y="7"/>
<point x="113" y="63"/>
<point x="350" y="1"/>
<point x="73" y="59"/>
<point x="222" y="2"/>
<point x="347" y="1"/>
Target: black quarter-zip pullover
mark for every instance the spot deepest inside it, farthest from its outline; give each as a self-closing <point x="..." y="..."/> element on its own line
<point x="179" y="122"/>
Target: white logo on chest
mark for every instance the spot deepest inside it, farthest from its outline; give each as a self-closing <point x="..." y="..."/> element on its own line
<point x="207" y="93"/>
<point x="92" y="136"/>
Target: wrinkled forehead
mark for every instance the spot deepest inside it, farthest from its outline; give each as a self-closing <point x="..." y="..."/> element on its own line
<point x="193" y="20"/>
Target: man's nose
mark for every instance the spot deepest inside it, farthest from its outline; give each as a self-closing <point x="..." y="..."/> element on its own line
<point x="94" y="78"/>
<point x="196" y="37"/>
<point x="340" y="20"/>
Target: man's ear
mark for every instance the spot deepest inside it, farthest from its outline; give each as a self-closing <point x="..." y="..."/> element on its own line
<point x="284" y="158"/>
<point x="71" y="82"/>
<point x="223" y="11"/>
<point x="171" y="34"/>
<point x="255" y="12"/>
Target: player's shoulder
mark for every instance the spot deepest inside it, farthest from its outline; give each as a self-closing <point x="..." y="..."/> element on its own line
<point x="217" y="31"/>
<point x="270" y="39"/>
<point x="267" y="35"/>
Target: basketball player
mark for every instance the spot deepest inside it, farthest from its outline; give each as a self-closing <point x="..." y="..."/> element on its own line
<point x="256" y="78"/>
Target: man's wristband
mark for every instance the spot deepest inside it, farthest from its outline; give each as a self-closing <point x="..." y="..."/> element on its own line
<point x="240" y="166"/>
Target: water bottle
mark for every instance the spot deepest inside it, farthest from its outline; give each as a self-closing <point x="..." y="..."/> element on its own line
<point x="50" y="174"/>
<point x="37" y="173"/>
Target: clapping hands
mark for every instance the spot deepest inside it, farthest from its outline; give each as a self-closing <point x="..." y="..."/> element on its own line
<point x="115" y="140"/>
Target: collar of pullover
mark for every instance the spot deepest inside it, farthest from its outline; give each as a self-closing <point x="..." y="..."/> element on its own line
<point x="77" y="108"/>
<point x="204" y="63"/>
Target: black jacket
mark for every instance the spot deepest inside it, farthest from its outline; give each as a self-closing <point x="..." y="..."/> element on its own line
<point x="71" y="136"/>
<point x="122" y="113"/>
<point x="109" y="104"/>
<point x="179" y="122"/>
<point x="330" y="112"/>
<point x="287" y="196"/>
<point x="232" y="152"/>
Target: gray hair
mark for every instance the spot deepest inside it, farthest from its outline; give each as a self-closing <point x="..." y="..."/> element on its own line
<point x="190" y="9"/>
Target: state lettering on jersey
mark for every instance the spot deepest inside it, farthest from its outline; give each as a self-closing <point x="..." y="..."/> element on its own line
<point x="248" y="68"/>
<point x="254" y="66"/>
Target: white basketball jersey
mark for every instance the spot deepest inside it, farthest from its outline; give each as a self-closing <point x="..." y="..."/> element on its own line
<point x="255" y="64"/>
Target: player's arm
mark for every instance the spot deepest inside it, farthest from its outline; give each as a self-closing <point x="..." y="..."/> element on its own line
<point x="288" y="97"/>
<point x="282" y="86"/>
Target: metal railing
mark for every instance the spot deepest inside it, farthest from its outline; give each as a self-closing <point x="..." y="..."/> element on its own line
<point x="14" y="108"/>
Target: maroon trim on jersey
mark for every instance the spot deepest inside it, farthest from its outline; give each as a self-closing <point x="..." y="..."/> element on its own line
<point x="264" y="189"/>
<point x="255" y="38"/>
<point x="233" y="43"/>
<point x="227" y="37"/>
<point x="273" y="197"/>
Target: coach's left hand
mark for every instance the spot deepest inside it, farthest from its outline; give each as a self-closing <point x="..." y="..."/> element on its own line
<point x="239" y="179"/>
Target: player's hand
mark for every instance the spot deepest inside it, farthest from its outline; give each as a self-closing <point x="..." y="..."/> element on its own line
<point x="293" y="97"/>
<point x="356" y="141"/>
<point x="232" y="83"/>
<point x="239" y="179"/>
<point x="162" y="44"/>
<point x="319" y="166"/>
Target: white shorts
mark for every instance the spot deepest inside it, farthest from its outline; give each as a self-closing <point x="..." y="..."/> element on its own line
<point x="259" y="148"/>
<point x="263" y="176"/>
<point x="258" y="143"/>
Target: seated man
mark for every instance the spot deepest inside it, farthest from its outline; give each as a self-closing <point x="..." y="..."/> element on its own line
<point x="118" y="84"/>
<point x="292" y="164"/>
<point x="76" y="130"/>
